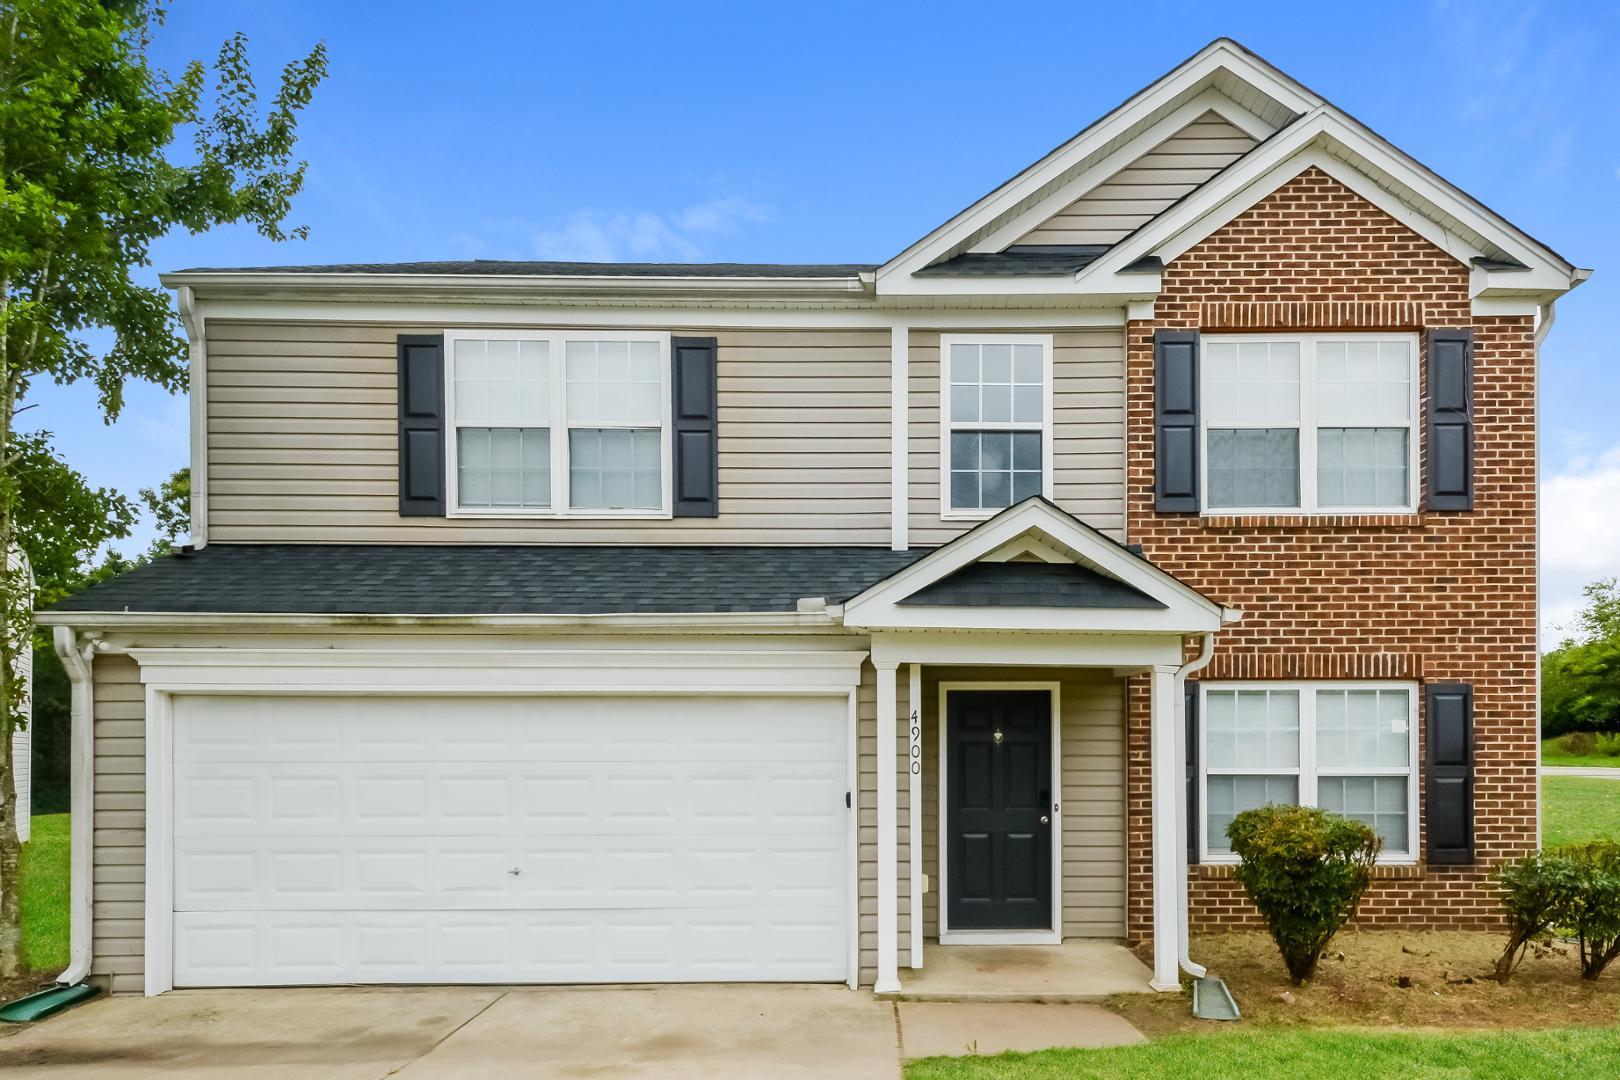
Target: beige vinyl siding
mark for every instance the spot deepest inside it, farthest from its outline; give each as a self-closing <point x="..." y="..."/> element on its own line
<point x="1145" y="188"/>
<point x="119" y="900"/>
<point x="1088" y="429"/>
<point x="866" y="824"/>
<point x="302" y="442"/>
<point x="1092" y="804"/>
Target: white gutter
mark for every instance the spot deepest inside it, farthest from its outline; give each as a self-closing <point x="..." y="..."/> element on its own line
<point x="82" y="787"/>
<point x="197" y="389"/>
<point x="1205" y="654"/>
<point x="716" y="621"/>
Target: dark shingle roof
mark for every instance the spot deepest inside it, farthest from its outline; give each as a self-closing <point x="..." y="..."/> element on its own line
<point x="1033" y="260"/>
<point x="518" y="268"/>
<point x="1030" y="584"/>
<point x="396" y="579"/>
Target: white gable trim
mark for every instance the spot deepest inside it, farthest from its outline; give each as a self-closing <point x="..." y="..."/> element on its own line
<point x="1186" y="611"/>
<point x="1217" y="56"/>
<point x="1323" y="139"/>
<point x="1109" y="167"/>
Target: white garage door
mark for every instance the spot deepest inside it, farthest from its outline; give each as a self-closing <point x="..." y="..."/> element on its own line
<point x="560" y="839"/>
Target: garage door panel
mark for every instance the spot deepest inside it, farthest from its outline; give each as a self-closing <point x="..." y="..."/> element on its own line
<point x="424" y="873"/>
<point x="552" y="729"/>
<point x="375" y="839"/>
<point x="233" y="949"/>
<point x="481" y="798"/>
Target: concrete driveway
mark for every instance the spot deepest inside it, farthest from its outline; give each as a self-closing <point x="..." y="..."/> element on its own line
<point x="718" y="1032"/>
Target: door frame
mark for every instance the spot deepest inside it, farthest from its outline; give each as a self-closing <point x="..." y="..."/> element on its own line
<point x="1054" y="936"/>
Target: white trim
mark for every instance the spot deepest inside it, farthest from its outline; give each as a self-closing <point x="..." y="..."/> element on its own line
<point x="711" y="621"/>
<point x="914" y="830"/>
<point x="1309" y="774"/>
<point x="852" y="777"/>
<point x="191" y="317"/>
<point x="947" y="512"/>
<point x="899" y="435"/>
<point x="1165" y="797"/>
<point x="159" y="837"/>
<point x="888" y="834"/>
<point x="1099" y="650"/>
<point x="1307" y="427"/>
<point x="1185" y="611"/>
<point x="558" y="425"/>
<point x="1053" y="935"/>
<point x="1211" y="100"/>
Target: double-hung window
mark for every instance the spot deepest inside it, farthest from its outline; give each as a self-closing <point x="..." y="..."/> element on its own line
<point x="1313" y="423"/>
<point x="995" y="422"/>
<point x="1350" y="748"/>
<point x="563" y="423"/>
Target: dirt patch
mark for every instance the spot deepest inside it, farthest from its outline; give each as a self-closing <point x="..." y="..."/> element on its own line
<point x="1390" y="979"/>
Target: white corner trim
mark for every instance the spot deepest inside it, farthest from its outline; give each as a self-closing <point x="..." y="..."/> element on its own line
<point x="192" y="318"/>
<point x="159" y="906"/>
<point x="914" y="831"/>
<point x="852" y="779"/>
<point x="1048" y="936"/>
<point x="899" y="435"/>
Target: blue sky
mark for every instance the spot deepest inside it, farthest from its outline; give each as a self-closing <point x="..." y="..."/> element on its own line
<point x="841" y="132"/>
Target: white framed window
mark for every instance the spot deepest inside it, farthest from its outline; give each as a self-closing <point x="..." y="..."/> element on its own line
<point x="1313" y="423"/>
<point x="1347" y="747"/>
<point x="563" y="423"/>
<point x="995" y="422"/>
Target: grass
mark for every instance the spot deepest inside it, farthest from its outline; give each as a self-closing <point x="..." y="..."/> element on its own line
<point x="1578" y="808"/>
<point x="1552" y="753"/>
<point x="1322" y="1055"/>
<point x="45" y="875"/>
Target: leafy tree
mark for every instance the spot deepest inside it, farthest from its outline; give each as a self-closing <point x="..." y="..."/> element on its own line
<point x="170" y="507"/>
<point x="1580" y="680"/>
<point x="1306" y="870"/>
<point x="90" y="176"/>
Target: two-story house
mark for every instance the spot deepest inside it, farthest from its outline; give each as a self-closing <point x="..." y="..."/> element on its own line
<point x="554" y="622"/>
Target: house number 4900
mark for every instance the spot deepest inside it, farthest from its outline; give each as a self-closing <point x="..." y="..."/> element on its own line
<point x="916" y="743"/>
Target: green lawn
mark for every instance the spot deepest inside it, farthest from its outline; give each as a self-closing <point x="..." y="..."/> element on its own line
<point x="1236" y="1053"/>
<point x="45" y="874"/>
<point x="1554" y="754"/>
<point x="1575" y="809"/>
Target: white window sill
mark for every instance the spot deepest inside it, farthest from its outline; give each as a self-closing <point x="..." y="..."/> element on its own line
<point x="1326" y="512"/>
<point x="560" y="515"/>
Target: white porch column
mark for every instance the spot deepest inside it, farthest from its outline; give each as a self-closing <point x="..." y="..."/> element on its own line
<point x="888" y="833"/>
<point x="1167" y="784"/>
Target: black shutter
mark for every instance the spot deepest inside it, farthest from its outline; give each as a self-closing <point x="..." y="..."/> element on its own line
<point x="1451" y="419"/>
<point x="1175" y="420"/>
<point x="421" y="425"/>
<point x="1449" y="713"/>
<point x="695" y="410"/>
<point x="1192" y="773"/>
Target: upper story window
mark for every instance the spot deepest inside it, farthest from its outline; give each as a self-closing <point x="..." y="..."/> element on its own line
<point x="562" y="422"/>
<point x="996" y="422"/>
<point x="1310" y="423"/>
<point x="1350" y="748"/>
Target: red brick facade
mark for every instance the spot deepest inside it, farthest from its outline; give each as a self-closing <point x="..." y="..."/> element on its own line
<point x="1440" y="597"/>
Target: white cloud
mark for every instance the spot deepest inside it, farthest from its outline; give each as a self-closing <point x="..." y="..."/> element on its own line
<point x="1580" y="536"/>
<point x="643" y="236"/>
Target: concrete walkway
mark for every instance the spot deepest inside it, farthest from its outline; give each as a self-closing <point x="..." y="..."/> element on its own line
<point x="1598" y="772"/>
<point x="718" y="1032"/>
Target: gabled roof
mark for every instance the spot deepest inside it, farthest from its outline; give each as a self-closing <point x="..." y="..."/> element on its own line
<point x="1294" y="128"/>
<point x="525" y="268"/>
<point x="1093" y="583"/>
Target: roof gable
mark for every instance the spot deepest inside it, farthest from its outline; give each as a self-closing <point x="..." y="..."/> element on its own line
<point x="1078" y="581"/>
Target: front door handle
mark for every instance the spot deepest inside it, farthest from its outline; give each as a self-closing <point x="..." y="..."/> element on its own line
<point x="1045" y="820"/>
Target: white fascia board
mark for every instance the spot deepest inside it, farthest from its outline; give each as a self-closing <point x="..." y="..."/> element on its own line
<point x="1180" y="619"/>
<point x="1307" y="142"/>
<point x="1101" y="650"/>
<point x="1217" y="55"/>
<point x="1209" y="101"/>
<point x="1059" y="289"/>
<point x="723" y="622"/>
<point x="438" y="315"/>
<point x="879" y="606"/>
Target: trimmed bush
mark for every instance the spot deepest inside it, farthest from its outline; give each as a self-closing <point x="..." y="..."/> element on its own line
<point x="1535" y="893"/>
<point x="1306" y="871"/>
<point x="1593" y="912"/>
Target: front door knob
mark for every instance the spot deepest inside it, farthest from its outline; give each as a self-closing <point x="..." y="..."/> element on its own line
<point x="1045" y="820"/>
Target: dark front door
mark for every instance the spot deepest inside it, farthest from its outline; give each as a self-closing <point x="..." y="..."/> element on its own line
<point x="998" y="807"/>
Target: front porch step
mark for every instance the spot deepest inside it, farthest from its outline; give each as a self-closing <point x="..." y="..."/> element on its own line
<point x="1073" y="973"/>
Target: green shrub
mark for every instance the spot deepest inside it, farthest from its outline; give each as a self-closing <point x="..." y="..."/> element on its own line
<point x="1610" y="745"/>
<point x="1578" y="743"/>
<point x="1593" y="911"/>
<point x="1306" y="870"/>
<point x="1535" y="893"/>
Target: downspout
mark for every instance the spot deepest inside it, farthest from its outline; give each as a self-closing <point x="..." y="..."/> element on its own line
<point x="82" y="780"/>
<point x="1205" y="653"/>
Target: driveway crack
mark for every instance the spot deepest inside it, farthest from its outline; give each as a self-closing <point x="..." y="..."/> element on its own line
<point x="441" y="1040"/>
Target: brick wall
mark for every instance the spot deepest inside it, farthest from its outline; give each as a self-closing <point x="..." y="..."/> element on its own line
<point x="1437" y="598"/>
